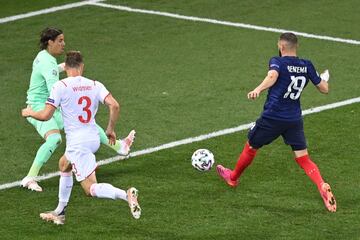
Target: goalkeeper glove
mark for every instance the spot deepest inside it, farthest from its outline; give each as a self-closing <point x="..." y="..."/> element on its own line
<point x="61" y="67"/>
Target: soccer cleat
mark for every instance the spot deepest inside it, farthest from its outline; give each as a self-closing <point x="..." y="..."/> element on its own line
<point x="132" y="194"/>
<point x="328" y="197"/>
<point x="225" y="173"/>
<point x="30" y="183"/>
<point x="52" y="216"/>
<point x="125" y="144"/>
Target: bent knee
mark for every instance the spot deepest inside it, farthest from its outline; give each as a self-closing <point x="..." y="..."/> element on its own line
<point x="88" y="193"/>
<point x="89" y="189"/>
<point x="65" y="167"/>
<point x="54" y="140"/>
<point x="64" y="164"/>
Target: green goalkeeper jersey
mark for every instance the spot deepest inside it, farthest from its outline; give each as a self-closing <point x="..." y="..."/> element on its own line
<point x="45" y="73"/>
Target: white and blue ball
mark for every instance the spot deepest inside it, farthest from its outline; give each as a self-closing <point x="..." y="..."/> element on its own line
<point x="202" y="160"/>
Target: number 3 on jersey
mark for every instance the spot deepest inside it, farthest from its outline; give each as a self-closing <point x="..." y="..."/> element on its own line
<point x="297" y="84"/>
<point x="85" y="109"/>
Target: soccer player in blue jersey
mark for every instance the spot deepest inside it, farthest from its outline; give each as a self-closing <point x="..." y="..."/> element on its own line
<point x="287" y="77"/>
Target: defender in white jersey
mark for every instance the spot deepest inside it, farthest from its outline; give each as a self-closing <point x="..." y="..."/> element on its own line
<point x="79" y="98"/>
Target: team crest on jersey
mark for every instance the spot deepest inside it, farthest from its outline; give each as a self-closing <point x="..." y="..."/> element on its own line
<point x="54" y="72"/>
<point x="50" y="100"/>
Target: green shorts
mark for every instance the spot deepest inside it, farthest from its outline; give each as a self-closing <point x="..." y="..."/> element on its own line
<point x="42" y="127"/>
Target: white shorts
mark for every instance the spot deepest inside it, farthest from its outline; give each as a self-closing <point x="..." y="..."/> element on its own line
<point x="82" y="158"/>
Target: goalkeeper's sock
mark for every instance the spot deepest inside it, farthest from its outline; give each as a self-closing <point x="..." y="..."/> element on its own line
<point x="104" y="140"/>
<point x="245" y="159"/>
<point x="44" y="153"/>
<point x="65" y="187"/>
<point x="311" y="170"/>
<point x="34" y="169"/>
<point x="105" y="190"/>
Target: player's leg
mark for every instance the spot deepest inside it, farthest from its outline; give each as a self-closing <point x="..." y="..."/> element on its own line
<point x="262" y="133"/>
<point x="84" y="165"/>
<point x="101" y="190"/>
<point x="66" y="178"/>
<point x="106" y="190"/>
<point x="50" y="132"/>
<point x="52" y="141"/>
<point x="244" y="160"/>
<point x="295" y="137"/>
<point x="312" y="171"/>
<point x="65" y="186"/>
<point x="121" y="146"/>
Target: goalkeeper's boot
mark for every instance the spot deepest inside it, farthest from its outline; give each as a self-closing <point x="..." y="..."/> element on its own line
<point x="132" y="194"/>
<point x="328" y="197"/>
<point x="30" y="183"/>
<point x="125" y="144"/>
<point x="225" y="174"/>
<point x="52" y="216"/>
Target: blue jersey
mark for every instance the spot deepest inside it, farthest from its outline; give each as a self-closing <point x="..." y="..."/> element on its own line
<point x="283" y="99"/>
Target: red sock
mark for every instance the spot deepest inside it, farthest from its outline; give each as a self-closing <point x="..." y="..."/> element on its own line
<point x="310" y="169"/>
<point x="244" y="160"/>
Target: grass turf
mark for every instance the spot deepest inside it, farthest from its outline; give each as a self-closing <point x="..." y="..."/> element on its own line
<point x="177" y="79"/>
<point x="275" y="199"/>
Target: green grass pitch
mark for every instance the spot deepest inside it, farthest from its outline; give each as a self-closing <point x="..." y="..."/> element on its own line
<point x="177" y="79"/>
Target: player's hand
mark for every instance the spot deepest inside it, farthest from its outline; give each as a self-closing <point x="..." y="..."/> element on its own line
<point x="325" y="75"/>
<point x="26" y="112"/>
<point x="111" y="136"/>
<point x="61" y="67"/>
<point x="253" y="94"/>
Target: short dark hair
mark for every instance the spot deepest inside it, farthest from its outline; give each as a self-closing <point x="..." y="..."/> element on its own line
<point x="290" y="38"/>
<point x="73" y="59"/>
<point x="49" y="33"/>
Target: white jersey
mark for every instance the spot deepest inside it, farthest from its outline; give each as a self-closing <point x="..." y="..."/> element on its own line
<point x="79" y="98"/>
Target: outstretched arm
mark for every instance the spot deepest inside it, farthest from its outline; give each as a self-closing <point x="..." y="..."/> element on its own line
<point x="269" y="80"/>
<point x="42" y="115"/>
<point x="114" y="109"/>
<point x="323" y="86"/>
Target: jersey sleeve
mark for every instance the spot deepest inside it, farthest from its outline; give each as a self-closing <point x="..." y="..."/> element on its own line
<point x="50" y="72"/>
<point x="313" y="75"/>
<point x="55" y="95"/>
<point x="103" y="92"/>
<point x="274" y="64"/>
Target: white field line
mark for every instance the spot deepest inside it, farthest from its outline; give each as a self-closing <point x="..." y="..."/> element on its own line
<point x="226" y="23"/>
<point x="173" y="15"/>
<point x="189" y="140"/>
<point x="46" y="10"/>
<point x="196" y="19"/>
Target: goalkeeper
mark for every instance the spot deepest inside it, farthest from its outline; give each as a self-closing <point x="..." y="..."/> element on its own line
<point x="45" y="73"/>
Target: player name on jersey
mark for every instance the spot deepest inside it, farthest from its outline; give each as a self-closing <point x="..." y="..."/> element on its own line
<point x="82" y="88"/>
<point x="297" y="69"/>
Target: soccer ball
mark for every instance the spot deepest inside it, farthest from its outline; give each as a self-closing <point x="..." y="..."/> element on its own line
<point x="202" y="160"/>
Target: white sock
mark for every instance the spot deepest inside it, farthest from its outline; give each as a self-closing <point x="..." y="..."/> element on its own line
<point x="65" y="187"/>
<point x="105" y="190"/>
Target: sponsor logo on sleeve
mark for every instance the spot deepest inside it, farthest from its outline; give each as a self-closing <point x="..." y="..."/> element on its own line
<point x="54" y="72"/>
<point x="50" y="100"/>
<point x="274" y="65"/>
